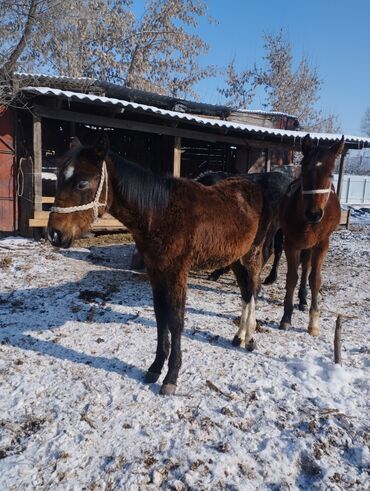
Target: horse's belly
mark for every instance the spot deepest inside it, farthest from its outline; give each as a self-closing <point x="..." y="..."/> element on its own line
<point x="215" y="254"/>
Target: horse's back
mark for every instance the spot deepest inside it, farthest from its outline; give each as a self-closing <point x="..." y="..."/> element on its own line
<point x="273" y="184"/>
<point x="220" y="221"/>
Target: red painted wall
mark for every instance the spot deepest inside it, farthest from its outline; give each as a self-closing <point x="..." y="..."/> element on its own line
<point x="8" y="199"/>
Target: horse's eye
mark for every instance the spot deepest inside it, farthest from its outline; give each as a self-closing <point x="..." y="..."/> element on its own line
<point x="82" y="185"/>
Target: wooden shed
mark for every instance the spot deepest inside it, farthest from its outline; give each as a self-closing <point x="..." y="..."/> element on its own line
<point x="166" y="134"/>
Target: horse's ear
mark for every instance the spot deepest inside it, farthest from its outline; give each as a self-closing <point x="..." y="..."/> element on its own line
<point x="74" y="143"/>
<point x="101" y="146"/>
<point x="337" y="148"/>
<point x="306" y="145"/>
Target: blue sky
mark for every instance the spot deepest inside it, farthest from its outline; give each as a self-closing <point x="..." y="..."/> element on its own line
<point x="333" y="34"/>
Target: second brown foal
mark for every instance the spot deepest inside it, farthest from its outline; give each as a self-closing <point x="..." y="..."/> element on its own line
<point x="309" y="214"/>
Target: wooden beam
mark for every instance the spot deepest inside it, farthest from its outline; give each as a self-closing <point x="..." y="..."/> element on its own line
<point x="158" y="129"/>
<point x="177" y="156"/>
<point x="341" y="172"/>
<point x="107" y="219"/>
<point x="37" y="163"/>
<point x="48" y="199"/>
<point x="98" y="225"/>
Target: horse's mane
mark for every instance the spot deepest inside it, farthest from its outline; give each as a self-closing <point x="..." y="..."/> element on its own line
<point x="141" y="187"/>
<point x="210" y="177"/>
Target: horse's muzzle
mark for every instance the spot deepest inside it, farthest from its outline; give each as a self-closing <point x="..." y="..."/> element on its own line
<point x="56" y="238"/>
<point x="314" y="216"/>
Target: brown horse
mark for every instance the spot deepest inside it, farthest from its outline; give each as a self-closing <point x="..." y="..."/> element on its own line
<point x="309" y="214"/>
<point x="177" y="224"/>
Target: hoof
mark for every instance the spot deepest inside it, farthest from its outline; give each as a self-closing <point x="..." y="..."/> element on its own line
<point x="151" y="377"/>
<point x="269" y="281"/>
<point x="236" y="341"/>
<point x="168" y="389"/>
<point x="251" y="345"/>
<point x="284" y="326"/>
<point x="302" y="307"/>
<point x="313" y="331"/>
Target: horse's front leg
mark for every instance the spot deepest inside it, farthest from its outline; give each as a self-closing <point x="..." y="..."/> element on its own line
<point x="247" y="276"/>
<point x="160" y="295"/>
<point x="293" y="257"/>
<point x="318" y="256"/>
<point x="177" y="286"/>
<point x="278" y="250"/>
<point x="302" y="292"/>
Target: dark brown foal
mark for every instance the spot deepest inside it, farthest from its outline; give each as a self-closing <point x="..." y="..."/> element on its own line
<point x="309" y="214"/>
<point x="177" y="225"/>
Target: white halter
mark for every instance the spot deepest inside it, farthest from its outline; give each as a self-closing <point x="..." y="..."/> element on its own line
<point x="317" y="191"/>
<point x="95" y="204"/>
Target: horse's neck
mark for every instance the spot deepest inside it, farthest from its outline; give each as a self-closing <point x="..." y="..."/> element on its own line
<point x="122" y="209"/>
<point x="129" y="215"/>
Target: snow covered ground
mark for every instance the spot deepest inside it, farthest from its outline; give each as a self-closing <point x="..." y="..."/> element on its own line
<point x="77" y="333"/>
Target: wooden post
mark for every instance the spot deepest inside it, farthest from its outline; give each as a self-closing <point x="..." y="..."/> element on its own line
<point x="338" y="341"/>
<point x="37" y="164"/>
<point x="177" y="156"/>
<point x="268" y="160"/>
<point x="341" y="172"/>
<point x="72" y="129"/>
<point x="241" y="161"/>
<point x="348" y="188"/>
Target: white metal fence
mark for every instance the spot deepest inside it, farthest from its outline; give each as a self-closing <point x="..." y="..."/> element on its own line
<point x="355" y="190"/>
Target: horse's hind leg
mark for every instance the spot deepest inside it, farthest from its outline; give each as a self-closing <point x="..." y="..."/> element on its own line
<point x="292" y="256"/>
<point x="278" y="250"/>
<point x="318" y="256"/>
<point x="248" y="281"/>
<point x="175" y="323"/>
<point x="302" y="292"/>
<point x="163" y="344"/>
<point x="215" y="275"/>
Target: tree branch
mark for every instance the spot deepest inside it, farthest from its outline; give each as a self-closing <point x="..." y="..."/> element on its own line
<point x="9" y="66"/>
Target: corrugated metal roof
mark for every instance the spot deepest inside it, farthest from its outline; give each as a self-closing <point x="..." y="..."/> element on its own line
<point x="216" y="123"/>
<point x="121" y="92"/>
<point x="263" y="112"/>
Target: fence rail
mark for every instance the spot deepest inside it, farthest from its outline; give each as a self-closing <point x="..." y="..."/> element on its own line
<point x="355" y="190"/>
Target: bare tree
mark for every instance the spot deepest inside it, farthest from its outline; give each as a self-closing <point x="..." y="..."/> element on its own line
<point x="104" y="39"/>
<point x="358" y="163"/>
<point x="162" y="53"/>
<point x="240" y="90"/>
<point x="17" y="22"/>
<point x="365" y="124"/>
<point x="289" y="90"/>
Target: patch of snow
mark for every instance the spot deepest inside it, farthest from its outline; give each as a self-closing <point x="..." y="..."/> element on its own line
<point x="77" y="333"/>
